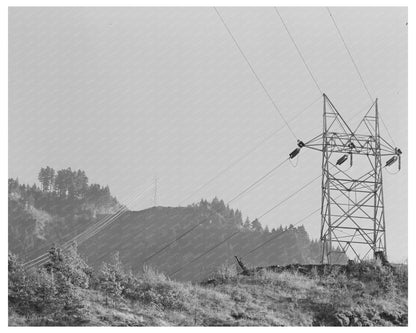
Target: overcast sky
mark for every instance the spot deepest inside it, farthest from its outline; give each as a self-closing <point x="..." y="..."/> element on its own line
<point x="127" y="94"/>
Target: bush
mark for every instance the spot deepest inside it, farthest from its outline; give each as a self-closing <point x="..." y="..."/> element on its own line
<point x="401" y="275"/>
<point x="112" y="277"/>
<point x="47" y="291"/>
<point x="226" y="273"/>
<point x="29" y="292"/>
<point x="156" y="289"/>
<point x="72" y="267"/>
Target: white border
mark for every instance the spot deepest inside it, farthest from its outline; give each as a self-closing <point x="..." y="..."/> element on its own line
<point x="4" y="120"/>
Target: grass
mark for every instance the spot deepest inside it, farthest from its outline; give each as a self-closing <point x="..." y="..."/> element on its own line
<point x="371" y="296"/>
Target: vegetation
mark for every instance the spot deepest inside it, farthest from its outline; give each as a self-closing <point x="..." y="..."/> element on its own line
<point x="138" y="235"/>
<point x="64" y="205"/>
<point x="115" y="288"/>
<point x="67" y="291"/>
<point x="64" y="192"/>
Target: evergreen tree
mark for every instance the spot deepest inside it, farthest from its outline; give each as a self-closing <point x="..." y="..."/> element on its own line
<point x="46" y="178"/>
<point x="256" y="225"/>
<point x="247" y="224"/>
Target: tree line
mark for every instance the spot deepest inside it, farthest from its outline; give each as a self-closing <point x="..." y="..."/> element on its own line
<point x="62" y="190"/>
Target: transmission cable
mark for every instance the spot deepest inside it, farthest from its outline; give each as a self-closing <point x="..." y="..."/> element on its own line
<point x="299" y="52"/>
<point x="98" y="223"/>
<point x="281" y="233"/>
<point x="237" y="232"/>
<point x="254" y="73"/>
<point x="350" y="54"/>
<point x="290" y="196"/>
<point x="258" y="181"/>
<point x="387" y="130"/>
<point x="91" y="231"/>
<point x="247" y="189"/>
<point x="357" y="69"/>
<point x="248" y="152"/>
<point x="205" y="253"/>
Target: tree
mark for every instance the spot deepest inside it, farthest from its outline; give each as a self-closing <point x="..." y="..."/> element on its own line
<point x="111" y="277"/>
<point x="238" y="217"/>
<point x="46" y="178"/>
<point x="43" y="179"/>
<point x="64" y="182"/>
<point x="14" y="186"/>
<point x="51" y="177"/>
<point x="80" y="183"/>
<point x="256" y="225"/>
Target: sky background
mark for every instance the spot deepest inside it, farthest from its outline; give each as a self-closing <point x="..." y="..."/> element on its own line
<point x="129" y="94"/>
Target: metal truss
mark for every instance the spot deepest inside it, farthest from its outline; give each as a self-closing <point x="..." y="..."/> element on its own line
<point x="352" y="209"/>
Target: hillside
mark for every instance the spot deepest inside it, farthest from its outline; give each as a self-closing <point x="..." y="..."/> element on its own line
<point x="65" y="205"/>
<point x="138" y="235"/>
<point x="120" y="276"/>
<point x="68" y="292"/>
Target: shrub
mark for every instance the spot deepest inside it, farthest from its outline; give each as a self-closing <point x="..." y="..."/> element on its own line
<point x="72" y="267"/>
<point x="226" y="272"/>
<point x="41" y="292"/>
<point x="112" y="277"/>
<point x="28" y="292"/>
<point x="156" y="289"/>
<point x="401" y="277"/>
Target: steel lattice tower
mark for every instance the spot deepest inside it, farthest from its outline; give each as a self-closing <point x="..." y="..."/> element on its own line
<point x="352" y="203"/>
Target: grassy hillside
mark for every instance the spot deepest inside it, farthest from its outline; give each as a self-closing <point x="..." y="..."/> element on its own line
<point x="67" y="205"/>
<point x="68" y="292"/>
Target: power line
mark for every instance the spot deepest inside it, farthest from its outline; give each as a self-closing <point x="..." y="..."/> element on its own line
<point x="255" y="74"/>
<point x="280" y="233"/>
<point x="350" y="54"/>
<point x="248" y="152"/>
<point x="267" y="212"/>
<point x="357" y="69"/>
<point x="276" y="236"/>
<point x="258" y="181"/>
<point x="242" y="157"/>
<point x="387" y="130"/>
<point x="247" y="189"/>
<point x="205" y="253"/>
<point x="299" y="52"/>
<point x="290" y="196"/>
<point x="91" y="231"/>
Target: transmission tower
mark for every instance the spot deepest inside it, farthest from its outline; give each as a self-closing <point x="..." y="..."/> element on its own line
<point x="352" y="203"/>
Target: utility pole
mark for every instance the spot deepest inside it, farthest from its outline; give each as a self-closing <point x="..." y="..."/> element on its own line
<point x="352" y="201"/>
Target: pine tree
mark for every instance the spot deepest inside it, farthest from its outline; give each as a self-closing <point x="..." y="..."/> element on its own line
<point x="247" y="224"/>
<point x="256" y="225"/>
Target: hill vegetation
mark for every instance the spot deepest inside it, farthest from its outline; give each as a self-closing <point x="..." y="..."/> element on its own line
<point x="139" y="236"/>
<point x="116" y="279"/>
<point x="65" y="204"/>
<point x="69" y="292"/>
